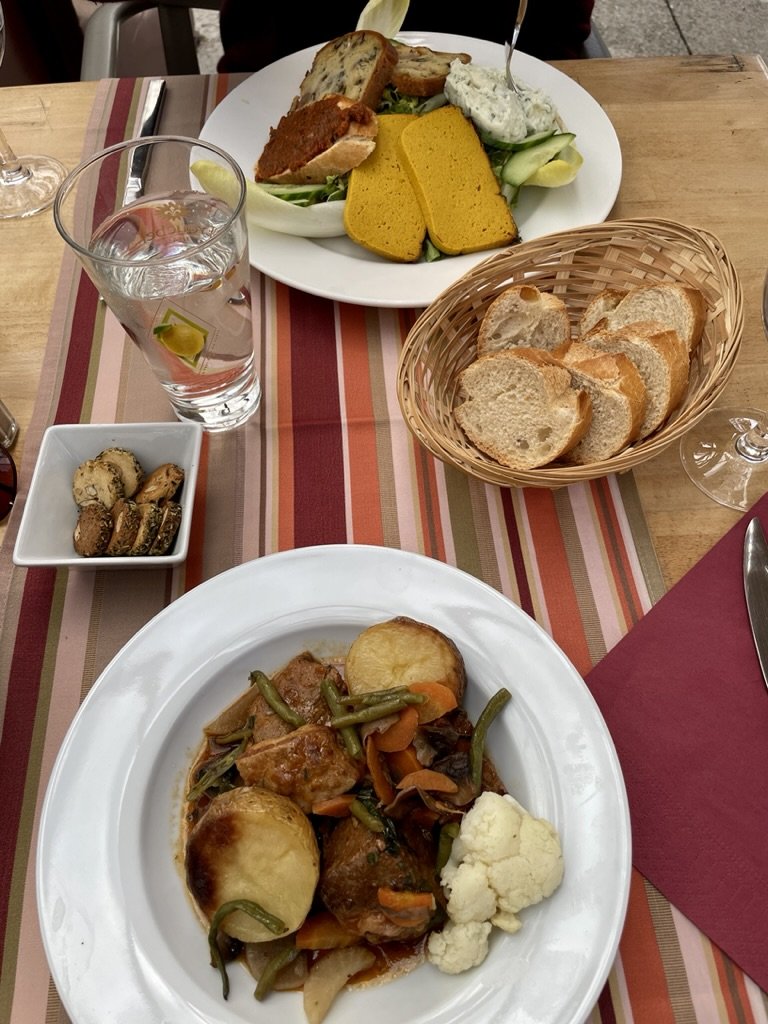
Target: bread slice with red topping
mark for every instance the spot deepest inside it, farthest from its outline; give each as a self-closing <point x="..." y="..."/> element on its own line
<point x="327" y="137"/>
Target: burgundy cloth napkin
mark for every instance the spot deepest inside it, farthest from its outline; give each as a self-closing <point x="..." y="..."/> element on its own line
<point x="684" y="699"/>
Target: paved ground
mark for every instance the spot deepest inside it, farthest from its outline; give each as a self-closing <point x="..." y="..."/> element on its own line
<point x="654" y="28"/>
<point x="629" y="28"/>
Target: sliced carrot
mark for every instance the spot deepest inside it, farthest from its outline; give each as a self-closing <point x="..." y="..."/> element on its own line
<point x="334" y="806"/>
<point x="426" y="778"/>
<point x="377" y="769"/>
<point x="403" y="762"/>
<point x="396" y="899"/>
<point x="323" y="931"/>
<point x="407" y="909"/>
<point x="440" y="699"/>
<point x="400" y="734"/>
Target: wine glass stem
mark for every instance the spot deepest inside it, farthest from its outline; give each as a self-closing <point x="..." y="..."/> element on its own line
<point x="11" y="169"/>
<point x="753" y="445"/>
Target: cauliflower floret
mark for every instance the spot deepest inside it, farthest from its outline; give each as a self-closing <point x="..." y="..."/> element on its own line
<point x="503" y="860"/>
<point x="459" y="946"/>
<point x="533" y="872"/>
<point x="470" y="897"/>
<point x="490" y="829"/>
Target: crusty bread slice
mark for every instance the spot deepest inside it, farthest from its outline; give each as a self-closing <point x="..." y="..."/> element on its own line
<point x="456" y="188"/>
<point x="661" y="358"/>
<point x="523" y="315"/>
<point x="381" y="211"/>
<point x="358" y="65"/>
<point x="520" y="407"/>
<point x="324" y="138"/>
<point x="618" y="395"/>
<point x="679" y="307"/>
<point x="599" y="309"/>
<point x="421" y="71"/>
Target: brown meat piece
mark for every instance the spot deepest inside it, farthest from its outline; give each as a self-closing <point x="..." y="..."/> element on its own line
<point x="357" y="861"/>
<point x="299" y="686"/>
<point x="307" y="765"/>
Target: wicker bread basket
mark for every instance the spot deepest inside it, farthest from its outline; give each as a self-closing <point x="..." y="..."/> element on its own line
<point x="574" y="265"/>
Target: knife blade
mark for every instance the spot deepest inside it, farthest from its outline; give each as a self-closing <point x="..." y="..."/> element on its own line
<point x="150" y="117"/>
<point x="756" y="590"/>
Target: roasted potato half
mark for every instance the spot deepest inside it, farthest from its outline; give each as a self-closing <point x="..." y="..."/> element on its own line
<point x="402" y="651"/>
<point x="251" y="844"/>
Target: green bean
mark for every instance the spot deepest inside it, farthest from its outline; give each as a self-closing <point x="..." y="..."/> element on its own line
<point x="274" y="965"/>
<point x="365" y="816"/>
<point x="374" y="696"/>
<point x="479" y="733"/>
<point x="254" y="910"/>
<point x="269" y="692"/>
<point x="244" y="732"/>
<point x="370" y="714"/>
<point x="444" y="843"/>
<point x="348" y="733"/>
<point x="218" y="768"/>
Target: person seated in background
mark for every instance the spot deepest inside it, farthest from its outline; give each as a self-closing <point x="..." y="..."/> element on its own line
<point x="254" y="35"/>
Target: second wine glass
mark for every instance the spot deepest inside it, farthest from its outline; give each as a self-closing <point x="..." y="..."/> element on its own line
<point x="28" y="184"/>
<point x="726" y="453"/>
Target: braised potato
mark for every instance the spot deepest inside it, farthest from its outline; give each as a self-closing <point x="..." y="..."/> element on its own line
<point x="402" y="651"/>
<point x="251" y="844"/>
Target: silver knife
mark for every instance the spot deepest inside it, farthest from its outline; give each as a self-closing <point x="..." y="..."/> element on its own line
<point x="756" y="589"/>
<point x="150" y="116"/>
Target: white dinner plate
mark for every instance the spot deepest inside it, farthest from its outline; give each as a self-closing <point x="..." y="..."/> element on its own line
<point x="339" y="269"/>
<point x="122" y="939"/>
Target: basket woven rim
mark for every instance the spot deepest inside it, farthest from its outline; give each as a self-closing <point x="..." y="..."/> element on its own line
<point x="649" y="245"/>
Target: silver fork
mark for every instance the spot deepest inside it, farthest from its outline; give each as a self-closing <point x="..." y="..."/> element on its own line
<point x="509" y="45"/>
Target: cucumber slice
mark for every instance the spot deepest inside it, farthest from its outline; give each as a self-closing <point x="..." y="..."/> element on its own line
<point x="525" y="162"/>
<point x="301" y="195"/>
<point x="513" y="147"/>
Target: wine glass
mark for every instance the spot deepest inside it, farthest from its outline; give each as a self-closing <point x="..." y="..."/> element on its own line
<point x="726" y="453"/>
<point x="27" y="184"/>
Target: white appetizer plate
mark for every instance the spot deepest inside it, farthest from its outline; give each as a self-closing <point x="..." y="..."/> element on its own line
<point x="50" y="513"/>
<point x="336" y="268"/>
<point x="122" y="939"/>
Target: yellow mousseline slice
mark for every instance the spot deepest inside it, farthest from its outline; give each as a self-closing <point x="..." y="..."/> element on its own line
<point x="323" y="220"/>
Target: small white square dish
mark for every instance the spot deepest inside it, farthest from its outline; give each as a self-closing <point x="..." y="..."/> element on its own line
<point x="50" y="512"/>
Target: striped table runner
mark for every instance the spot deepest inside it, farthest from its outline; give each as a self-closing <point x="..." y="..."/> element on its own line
<point x="328" y="460"/>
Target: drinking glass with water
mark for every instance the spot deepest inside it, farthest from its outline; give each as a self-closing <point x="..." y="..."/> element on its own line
<point x="171" y="261"/>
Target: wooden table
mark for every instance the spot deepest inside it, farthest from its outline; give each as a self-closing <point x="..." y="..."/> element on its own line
<point x="692" y="133"/>
<point x="694" y="150"/>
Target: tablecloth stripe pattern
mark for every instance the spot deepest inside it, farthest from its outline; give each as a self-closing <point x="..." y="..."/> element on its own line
<point x="328" y="460"/>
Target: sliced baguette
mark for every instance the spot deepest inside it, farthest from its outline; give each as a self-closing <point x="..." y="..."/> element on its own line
<point x="661" y="358"/>
<point x="357" y="65"/>
<point x="679" y="307"/>
<point x="327" y="137"/>
<point x="599" y="310"/>
<point x="381" y="211"/>
<point x="520" y="407"/>
<point x="523" y="315"/>
<point x="618" y="396"/>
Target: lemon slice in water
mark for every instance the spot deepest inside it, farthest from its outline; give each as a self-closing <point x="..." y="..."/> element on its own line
<point x="560" y="171"/>
<point x="183" y="340"/>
